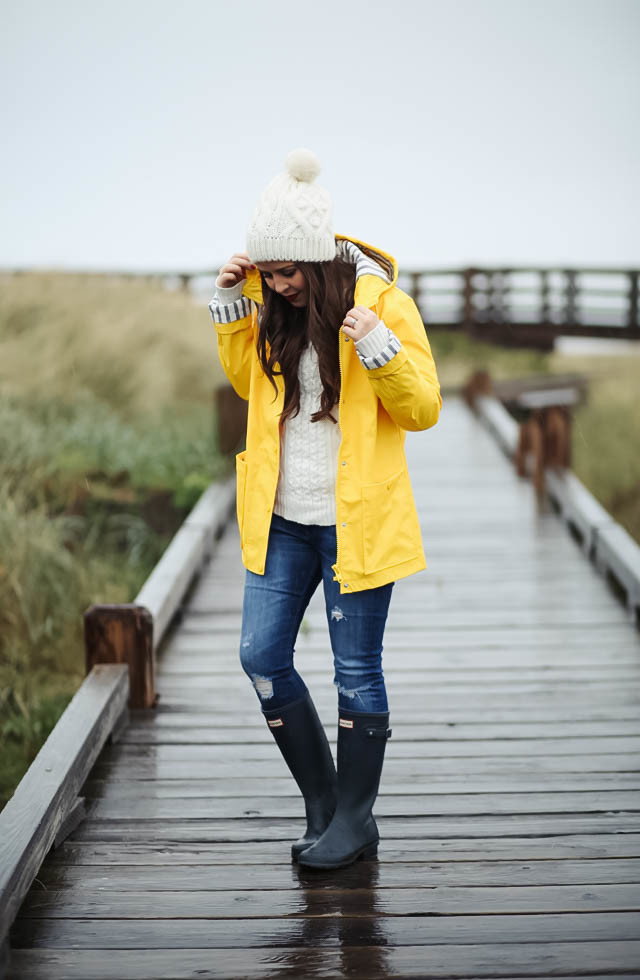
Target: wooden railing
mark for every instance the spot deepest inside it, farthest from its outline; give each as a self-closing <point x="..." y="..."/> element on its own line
<point x="528" y="307"/>
<point x="604" y="541"/>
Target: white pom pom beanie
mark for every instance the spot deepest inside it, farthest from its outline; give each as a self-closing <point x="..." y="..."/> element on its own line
<point x="292" y="221"/>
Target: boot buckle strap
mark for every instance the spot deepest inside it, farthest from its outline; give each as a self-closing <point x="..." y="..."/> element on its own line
<point x="378" y="732"/>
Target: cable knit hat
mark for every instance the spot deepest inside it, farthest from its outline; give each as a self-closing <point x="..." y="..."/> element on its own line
<point x="292" y="220"/>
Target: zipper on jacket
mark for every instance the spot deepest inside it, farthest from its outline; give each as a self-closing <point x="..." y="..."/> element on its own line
<point x="336" y="568"/>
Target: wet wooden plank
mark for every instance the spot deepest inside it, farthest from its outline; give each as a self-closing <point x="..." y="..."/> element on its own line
<point x="311" y="901"/>
<point x="216" y="807"/>
<point x="432" y="640"/>
<point x="198" y="728"/>
<point x="538" y="714"/>
<point x="183" y="932"/>
<point x="149" y="766"/>
<point x="430" y="852"/>
<point x="237" y="787"/>
<point x="247" y="828"/>
<point x="373" y="962"/>
<point x="397" y="749"/>
<point x="623" y="698"/>
<point x="524" y="617"/>
<point x="187" y="877"/>
<point x="458" y="682"/>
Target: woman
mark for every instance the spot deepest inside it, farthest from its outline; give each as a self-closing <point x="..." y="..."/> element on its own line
<point x="335" y="363"/>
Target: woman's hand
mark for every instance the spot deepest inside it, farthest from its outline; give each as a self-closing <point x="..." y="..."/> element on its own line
<point x="359" y="321"/>
<point x="234" y="271"/>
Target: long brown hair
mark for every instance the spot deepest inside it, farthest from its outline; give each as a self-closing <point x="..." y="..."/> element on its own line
<point x="288" y="330"/>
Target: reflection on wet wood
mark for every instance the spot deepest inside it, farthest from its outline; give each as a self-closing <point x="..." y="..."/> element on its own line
<point x="427" y="900"/>
<point x="390" y="873"/>
<point x="336" y="929"/>
<point x="509" y="804"/>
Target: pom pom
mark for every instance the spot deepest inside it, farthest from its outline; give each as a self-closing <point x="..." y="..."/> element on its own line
<point x="302" y="164"/>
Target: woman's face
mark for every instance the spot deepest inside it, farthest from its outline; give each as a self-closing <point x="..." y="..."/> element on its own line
<point x="287" y="279"/>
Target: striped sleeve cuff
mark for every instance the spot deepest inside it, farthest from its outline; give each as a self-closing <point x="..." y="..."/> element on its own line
<point x="229" y="305"/>
<point x="378" y="346"/>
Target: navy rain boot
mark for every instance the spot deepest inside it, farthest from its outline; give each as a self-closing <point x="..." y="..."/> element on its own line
<point x="303" y="743"/>
<point x="352" y="833"/>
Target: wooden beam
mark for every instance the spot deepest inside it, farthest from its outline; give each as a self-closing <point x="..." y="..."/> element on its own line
<point x="48" y="792"/>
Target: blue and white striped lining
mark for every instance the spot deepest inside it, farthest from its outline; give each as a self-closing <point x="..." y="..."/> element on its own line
<point x="392" y="345"/>
<point x="229" y="312"/>
<point x="364" y="264"/>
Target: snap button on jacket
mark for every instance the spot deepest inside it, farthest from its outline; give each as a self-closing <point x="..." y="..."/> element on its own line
<point x="377" y="527"/>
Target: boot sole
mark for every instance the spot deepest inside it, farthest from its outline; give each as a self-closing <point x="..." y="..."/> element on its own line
<point x="364" y="854"/>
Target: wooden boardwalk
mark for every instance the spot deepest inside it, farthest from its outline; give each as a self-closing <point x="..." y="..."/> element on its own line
<point x="509" y="799"/>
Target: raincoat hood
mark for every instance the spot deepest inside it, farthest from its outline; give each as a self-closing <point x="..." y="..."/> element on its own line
<point x="369" y="286"/>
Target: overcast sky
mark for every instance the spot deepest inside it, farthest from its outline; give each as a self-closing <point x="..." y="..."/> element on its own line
<point x="139" y="134"/>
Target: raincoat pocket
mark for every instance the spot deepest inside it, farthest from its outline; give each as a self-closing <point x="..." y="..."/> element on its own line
<point x="390" y="525"/>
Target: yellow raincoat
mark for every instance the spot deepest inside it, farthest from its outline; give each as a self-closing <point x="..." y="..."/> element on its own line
<point x="377" y="527"/>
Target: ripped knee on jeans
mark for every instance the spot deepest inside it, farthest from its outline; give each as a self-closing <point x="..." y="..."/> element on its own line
<point x="263" y="686"/>
<point x="351" y="693"/>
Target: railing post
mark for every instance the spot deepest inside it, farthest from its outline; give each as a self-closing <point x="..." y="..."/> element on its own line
<point x="498" y="296"/>
<point x="571" y="292"/>
<point x="557" y="436"/>
<point x="632" y="320"/>
<point x="123" y="634"/>
<point x="468" y="310"/>
<point x="414" y="288"/>
<point x="478" y="384"/>
<point x="545" y="308"/>
<point x="530" y="449"/>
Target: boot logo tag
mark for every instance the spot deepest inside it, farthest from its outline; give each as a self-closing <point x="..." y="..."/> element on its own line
<point x="275" y="722"/>
<point x="345" y="723"/>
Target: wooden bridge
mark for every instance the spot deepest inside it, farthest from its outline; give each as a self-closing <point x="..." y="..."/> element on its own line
<point x="510" y="794"/>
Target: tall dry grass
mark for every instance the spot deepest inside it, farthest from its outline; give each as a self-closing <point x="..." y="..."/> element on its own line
<point x="134" y="344"/>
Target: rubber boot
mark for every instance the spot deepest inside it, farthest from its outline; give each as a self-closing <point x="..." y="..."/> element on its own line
<point x="303" y="742"/>
<point x="352" y="833"/>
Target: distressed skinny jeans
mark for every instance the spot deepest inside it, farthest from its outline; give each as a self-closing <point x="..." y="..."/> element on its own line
<point x="299" y="557"/>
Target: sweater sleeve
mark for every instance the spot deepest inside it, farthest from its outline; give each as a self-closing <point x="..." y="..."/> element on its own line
<point x="228" y="304"/>
<point x="378" y="346"/>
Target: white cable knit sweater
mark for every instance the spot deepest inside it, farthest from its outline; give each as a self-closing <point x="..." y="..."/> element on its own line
<point x="308" y="454"/>
<point x="309" y="450"/>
